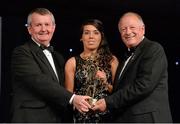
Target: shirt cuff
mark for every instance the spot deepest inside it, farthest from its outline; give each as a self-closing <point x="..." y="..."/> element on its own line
<point x="71" y="100"/>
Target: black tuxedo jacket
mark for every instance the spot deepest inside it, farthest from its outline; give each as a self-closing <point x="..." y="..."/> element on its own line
<point x="38" y="96"/>
<point x="141" y="92"/>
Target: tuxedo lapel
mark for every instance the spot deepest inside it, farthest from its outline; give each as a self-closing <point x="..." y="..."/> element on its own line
<point x="46" y="62"/>
<point x="60" y="70"/>
<point x="132" y="59"/>
<point x="37" y="51"/>
<point x="136" y="54"/>
<point x="117" y="77"/>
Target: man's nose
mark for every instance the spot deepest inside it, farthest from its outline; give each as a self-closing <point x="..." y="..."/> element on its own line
<point x="128" y="31"/>
<point x="43" y="27"/>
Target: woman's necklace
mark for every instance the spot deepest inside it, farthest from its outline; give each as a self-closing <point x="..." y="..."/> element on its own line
<point x="92" y="56"/>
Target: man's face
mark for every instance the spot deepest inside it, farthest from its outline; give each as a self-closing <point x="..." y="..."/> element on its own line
<point x="132" y="30"/>
<point x="41" y="28"/>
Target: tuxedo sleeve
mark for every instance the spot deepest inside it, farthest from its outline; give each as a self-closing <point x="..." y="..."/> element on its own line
<point x="29" y="73"/>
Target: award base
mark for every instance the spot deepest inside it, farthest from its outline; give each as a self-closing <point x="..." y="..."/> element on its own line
<point x="92" y="101"/>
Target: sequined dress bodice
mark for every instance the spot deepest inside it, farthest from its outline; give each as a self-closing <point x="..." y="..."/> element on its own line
<point x="86" y="83"/>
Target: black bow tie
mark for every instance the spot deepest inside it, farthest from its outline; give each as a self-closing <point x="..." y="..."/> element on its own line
<point x="50" y="48"/>
<point x="130" y="51"/>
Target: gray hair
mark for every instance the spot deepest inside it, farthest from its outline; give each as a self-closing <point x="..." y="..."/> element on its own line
<point x="135" y="14"/>
<point x="41" y="11"/>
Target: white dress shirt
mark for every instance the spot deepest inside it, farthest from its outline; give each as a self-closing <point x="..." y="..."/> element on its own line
<point x="51" y="61"/>
<point x="49" y="57"/>
<point x="126" y="62"/>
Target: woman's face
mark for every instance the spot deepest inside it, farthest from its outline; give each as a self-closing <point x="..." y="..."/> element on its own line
<point x="91" y="37"/>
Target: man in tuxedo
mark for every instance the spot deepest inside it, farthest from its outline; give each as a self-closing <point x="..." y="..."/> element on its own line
<point x="141" y="89"/>
<point x="38" y="75"/>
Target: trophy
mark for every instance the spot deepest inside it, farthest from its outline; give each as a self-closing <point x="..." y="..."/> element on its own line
<point x="90" y="91"/>
<point x="94" y="88"/>
<point x="92" y="101"/>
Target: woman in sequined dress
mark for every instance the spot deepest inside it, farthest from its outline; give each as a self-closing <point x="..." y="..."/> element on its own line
<point x="92" y="72"/>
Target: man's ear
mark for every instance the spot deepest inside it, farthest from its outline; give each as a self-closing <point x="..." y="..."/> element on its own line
<point x="29" y="30"/>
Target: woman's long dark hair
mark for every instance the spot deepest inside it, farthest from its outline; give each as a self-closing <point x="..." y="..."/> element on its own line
<point x="104" y="54"/>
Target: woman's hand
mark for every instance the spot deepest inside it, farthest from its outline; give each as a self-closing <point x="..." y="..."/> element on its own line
<point x="102" y="76"/>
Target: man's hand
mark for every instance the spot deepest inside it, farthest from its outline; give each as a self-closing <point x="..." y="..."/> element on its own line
<point x="81" y="104"/>
<point x="100" y="105"/>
